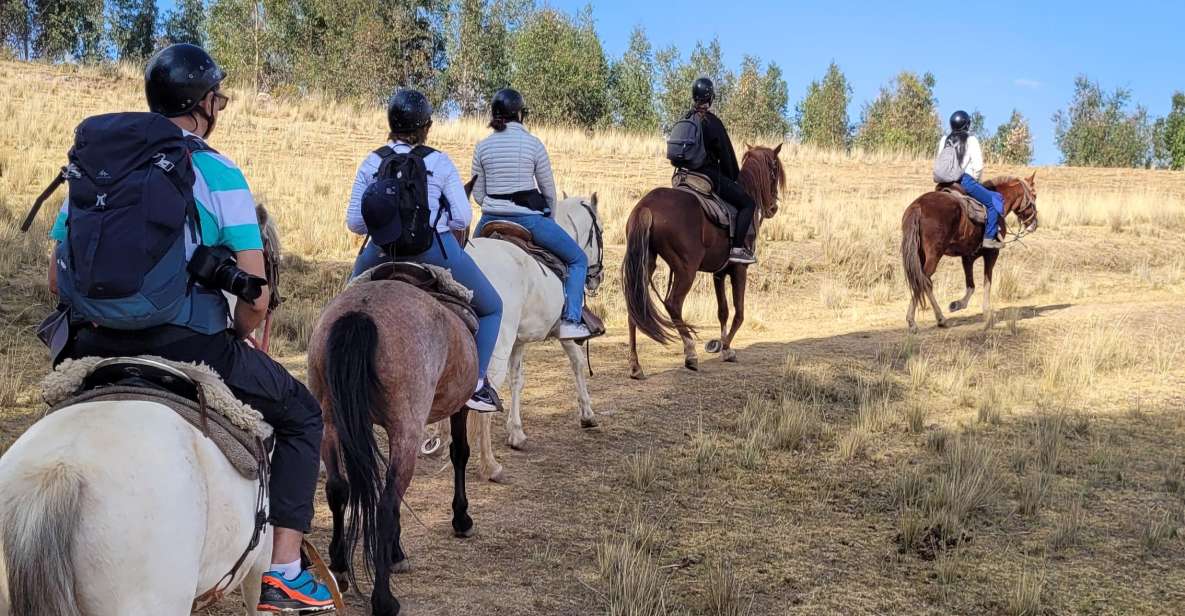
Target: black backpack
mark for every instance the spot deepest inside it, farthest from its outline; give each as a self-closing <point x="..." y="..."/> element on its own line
<point x="685" y="144"/>
<point x="122" y="264"/>
<point x="396" y="203"/>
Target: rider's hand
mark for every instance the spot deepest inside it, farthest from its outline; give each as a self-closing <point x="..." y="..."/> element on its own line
<point x="248" y="316"/>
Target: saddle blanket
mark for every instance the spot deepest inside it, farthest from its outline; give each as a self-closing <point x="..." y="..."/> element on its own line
<point x="973" y="209"/>
<point x="699" y="186"/>
<point x="433" y="280"/>
<point x="238" y="430"/>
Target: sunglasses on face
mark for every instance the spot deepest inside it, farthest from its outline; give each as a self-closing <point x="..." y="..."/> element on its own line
<point x="220" y="100"/>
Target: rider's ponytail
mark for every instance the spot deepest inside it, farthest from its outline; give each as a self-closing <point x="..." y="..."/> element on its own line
<point x="958" y="139"/>
<point x="498" y="124"/>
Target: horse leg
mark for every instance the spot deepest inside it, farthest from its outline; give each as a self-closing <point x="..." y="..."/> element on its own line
<point x="488" y="468"/>
<point x="387" y="524"/>
<point x="739" y="278"/>
<point x="636" y="372"/>
<point x="337" y="493"/>
<point x="929" y="267"/>
<point x="579" y="370"/>
<point x="252" y="585"/>
<point x="715" y="346"/>
<point x="515" y="437"/>
<point x="969" y="275"/>
<point x="680" y="287"/>
<point x="989" y="263"/>
<point x="459" y="454"/>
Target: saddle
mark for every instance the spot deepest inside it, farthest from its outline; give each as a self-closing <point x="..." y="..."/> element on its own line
<point x="435" y="281"/>
<point x="521" y="236"/>
<point x="193" y="391"/>
<point x="972" y="209"/>
<point x="719" y="212"/>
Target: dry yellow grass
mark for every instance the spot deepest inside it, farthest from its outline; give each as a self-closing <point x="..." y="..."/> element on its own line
<point x="822" y="473"/>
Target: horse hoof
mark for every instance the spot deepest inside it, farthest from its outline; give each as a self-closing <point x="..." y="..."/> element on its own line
<point x="517" y="441"/>
<point x="691" y="364"/>
<point x="403" y="566"/>
<point x="943" y="324"/>
<point x="637" y="374"/>
<point x="497" y="476"/>
<point x="343" y="580"/>
<point x="464" y="534"/>
<point x="730" y="356"/>
<point x="955" y="307"/>
<point x="713" y="346"/>
<point x="589" y="422"/>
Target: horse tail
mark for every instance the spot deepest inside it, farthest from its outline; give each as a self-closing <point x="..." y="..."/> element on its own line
<point x="356" y="397"/>
<point x="38" y="537"/>
<point x="911" y="256"/>
<point x="635" y="279"/>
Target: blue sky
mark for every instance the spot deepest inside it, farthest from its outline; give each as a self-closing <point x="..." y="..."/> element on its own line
<point x="991" y="56"/>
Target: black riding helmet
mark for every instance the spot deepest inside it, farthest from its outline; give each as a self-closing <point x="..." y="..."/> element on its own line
<point x="960" y="121"/>
<point x="703" y="91"/>
<point x="507" y="104"/>
<point x="178" y="77"/>
<point x="408" y="111"/>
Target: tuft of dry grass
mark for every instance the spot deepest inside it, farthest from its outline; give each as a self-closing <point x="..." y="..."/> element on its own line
<point x="1067" y="531"/>
<point x="915" y="414"/>
<point x="705" y="456"/>
<point x="854" y="443"/>
<point x="1024" y="598"/>
<point x="641" y="469"/>
<point x="1158" y="527"/>
<point x="723" y="595"/>
<point x="634" y="585"/>
<point x="1032" y="492"/>
<point x="989" y="410"/>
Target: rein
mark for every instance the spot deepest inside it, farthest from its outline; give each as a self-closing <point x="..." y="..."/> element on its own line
<point x="594" y="234"/>
<point x="1026" y="225"/>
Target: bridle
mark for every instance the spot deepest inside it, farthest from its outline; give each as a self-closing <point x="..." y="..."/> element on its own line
<point x="1027" y="222"/>
<point x="595" y="270"/>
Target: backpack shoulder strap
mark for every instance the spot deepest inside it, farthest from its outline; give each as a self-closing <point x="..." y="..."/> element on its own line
<point x="385" y="152"/>
<point x="422" y="151"/>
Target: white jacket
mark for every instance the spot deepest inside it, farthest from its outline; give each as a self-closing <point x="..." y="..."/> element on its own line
<point x="972" y="157"/>
<point x="507" y="162"/>
<point x="443" y="179"/>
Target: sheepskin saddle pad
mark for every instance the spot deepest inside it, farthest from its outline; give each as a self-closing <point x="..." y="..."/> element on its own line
<point x="193" y="391"/>
<point x="433" y="280"/>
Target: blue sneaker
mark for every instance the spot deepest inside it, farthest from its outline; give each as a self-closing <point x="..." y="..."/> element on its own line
<point x="303" y="595"/>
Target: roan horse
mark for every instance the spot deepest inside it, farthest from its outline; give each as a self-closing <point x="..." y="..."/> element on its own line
<point x="532" y="300"/>
<point x="935" y="225"/>
<point x="386" y="353"/>
<point x="670" y="223"/>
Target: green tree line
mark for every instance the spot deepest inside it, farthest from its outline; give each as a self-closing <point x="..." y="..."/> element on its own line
<point x="461" y="51"/>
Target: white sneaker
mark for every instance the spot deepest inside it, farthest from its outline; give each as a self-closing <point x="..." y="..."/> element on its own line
<point x="573" y="331"/>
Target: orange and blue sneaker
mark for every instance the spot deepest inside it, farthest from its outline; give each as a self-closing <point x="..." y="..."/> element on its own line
<point x="303" y="595"/>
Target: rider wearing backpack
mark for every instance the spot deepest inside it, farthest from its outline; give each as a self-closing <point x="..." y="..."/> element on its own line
<point x="720" y="166"/>
<point x="960" y="159"/>
<point x="514" y="183"/>
<point x="149" y="199"/>
<point x="409" y="198"/>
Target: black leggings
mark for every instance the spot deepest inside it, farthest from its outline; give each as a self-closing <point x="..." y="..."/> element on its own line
<point x="257" y="380"/>
<point x="735" y="194"/>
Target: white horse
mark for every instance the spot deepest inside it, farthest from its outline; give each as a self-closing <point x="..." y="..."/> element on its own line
<point x="532" y="302"/>
<point x="120" y="509"/>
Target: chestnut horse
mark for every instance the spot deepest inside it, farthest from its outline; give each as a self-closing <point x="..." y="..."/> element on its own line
<point x="935" y="225"/>
<point x="386" y="353"/>
<point x="670" y="223"/>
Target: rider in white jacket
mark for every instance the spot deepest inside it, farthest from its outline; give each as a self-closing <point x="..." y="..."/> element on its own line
<point x="970" y="155"/>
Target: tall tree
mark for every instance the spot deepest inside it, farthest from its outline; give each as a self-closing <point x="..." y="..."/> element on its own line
<point x="186" y="23"/>
<point x="241" y="41"/>
<point x="903" y="117"/>
<point x="1100" y="130"/>
<point x="757" y="102"/>
<point x="822" y="115"/>
<point x="68" y="30"/>
<point x="560" y="68"/>
<point x="978" y="126"/>
<point x="631" y="85"/>
<point x="479" y="49"/>
<point x="132" y="27"/>
<point x="1170" y="136"/>
<point x="16" y="26"/>
<point x="676" y="77"/>
<point x="1012" y="143"/>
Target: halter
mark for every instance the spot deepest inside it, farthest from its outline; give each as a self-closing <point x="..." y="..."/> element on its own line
<point x="1030" y="204"/>
<point x="595" y="234"/>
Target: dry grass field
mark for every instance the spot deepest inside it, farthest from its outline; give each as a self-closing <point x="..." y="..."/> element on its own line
<point x="842" y="467"/>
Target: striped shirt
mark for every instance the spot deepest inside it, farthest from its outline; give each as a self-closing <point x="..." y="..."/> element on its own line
<point x="224" y="204"/>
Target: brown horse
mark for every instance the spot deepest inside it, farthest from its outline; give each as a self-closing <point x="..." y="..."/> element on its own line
<point x="385" y="353"/>
<point x="670" y="223"/>
<point x="935" y="225"/>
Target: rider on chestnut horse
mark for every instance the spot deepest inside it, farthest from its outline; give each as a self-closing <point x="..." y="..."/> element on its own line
<point x="965" y="155"/>
<point x="722" y="169"/>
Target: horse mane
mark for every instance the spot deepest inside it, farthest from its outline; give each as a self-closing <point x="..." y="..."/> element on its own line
<point x="756" y="177"/>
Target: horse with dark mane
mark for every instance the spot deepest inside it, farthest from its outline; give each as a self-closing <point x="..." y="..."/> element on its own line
<point x="935" y="225"/>
<point x="670" y="224"/>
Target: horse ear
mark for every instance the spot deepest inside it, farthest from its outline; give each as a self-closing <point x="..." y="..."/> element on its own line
<point x="777" y="149"/>
<point x="1032" y="180"/>
<point x="564" y="193"/>
<point x="747" y="146"/>
<point x="594" y="200"/>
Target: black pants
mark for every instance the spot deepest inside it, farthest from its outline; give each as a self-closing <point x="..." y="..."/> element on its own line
<point x="735" y="194"/>
<point x="257" y="380"/>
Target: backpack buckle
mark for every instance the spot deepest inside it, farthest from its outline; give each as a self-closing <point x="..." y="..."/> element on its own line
<point x="71" y="171"/>
<point x="164" y="163"/>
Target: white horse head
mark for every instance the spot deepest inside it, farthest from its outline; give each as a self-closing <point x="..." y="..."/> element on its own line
<point x="578" y="216"/>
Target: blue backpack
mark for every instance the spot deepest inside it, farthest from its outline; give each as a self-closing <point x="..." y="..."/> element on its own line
<point x="123" y="262"/>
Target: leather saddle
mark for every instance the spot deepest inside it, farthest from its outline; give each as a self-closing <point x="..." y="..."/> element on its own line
<point x="435" y="281"/>
<point x="720" y="212"/>
<point x="973" y="209"/>
<point x="167" y="383"/>
<point x="521" y="236"/>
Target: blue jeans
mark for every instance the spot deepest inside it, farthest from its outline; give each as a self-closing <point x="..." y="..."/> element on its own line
<point x="993" y="200"/>
<point x="549" y="235"/>
<point x="486" y="301"/>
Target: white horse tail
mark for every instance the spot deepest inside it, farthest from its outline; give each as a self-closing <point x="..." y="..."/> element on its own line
<point x="38" y="533"/>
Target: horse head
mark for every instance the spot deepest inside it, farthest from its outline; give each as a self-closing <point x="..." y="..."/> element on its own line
<point x="764" y="177"/>
<point x="1020" y="198"/>
<point x="578" y="215"/>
